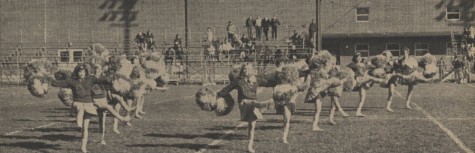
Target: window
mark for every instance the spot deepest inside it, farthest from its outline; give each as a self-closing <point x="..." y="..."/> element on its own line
<point x="64" y="56"/>
<point x="453" y="12"/>
<point x="363" y="49"/>
<point x="394" y="48"/>
<point x="77" y="56"/>
<point x="70" y="56"/>
<point x="421" y="48"/>
<point x="362" y="14"/>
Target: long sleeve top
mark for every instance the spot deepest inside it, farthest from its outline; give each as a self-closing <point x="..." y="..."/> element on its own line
<point x="82" y="88"/>
<point x="245" y="89"/>
<point x="258" y="22"/>
<point x="250" y="22"/>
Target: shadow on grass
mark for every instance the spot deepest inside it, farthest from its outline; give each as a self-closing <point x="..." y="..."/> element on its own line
<point x="281" y="121"/>
<point x="33" y="146"/>
<point x="30" y="120"/>
<point x="190" y="146"/>
<point x="64" y="129"/>
<point x="50" y="137"/>
<point x="219" y="128"/>
<point x="268" y="127"/>
<point x="56" y="110"/>
<point x="193" y="136"/>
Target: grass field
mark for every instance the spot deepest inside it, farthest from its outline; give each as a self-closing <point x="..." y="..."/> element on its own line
<point x="442" y="121"/>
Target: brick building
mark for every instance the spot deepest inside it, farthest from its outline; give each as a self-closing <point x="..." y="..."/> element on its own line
<point x="349" y="26"/>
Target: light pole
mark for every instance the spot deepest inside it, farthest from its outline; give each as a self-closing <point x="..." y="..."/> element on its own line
<point x="319" y="25"/>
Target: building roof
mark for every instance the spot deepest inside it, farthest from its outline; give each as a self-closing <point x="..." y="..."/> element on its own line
<point x="394" y="18"/>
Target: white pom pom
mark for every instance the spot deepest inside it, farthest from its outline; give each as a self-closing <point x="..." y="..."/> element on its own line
<point x="283" y="93"/>
<point x="65" y="95"/>
<point x="121" y="85"/>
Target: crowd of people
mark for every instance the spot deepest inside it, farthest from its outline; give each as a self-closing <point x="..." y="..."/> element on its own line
<point x="144" y="41"/>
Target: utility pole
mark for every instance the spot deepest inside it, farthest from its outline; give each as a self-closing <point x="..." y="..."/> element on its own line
<point x="319" y="25"/>
<point x="186" y="24"/>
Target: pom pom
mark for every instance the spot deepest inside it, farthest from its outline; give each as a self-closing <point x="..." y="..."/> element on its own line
<point x="162" y="80"/>
<point x="268" y="79"/>
<point x="121" y="85"/>
<point x="428" y="59"/>
<point x="120" y="65"/>
<point x="100" y="49"/>
<point x="349" y="75"/>
<point x="154" y="67"/>
<point x="389" y="56"/>
<point x="137" y="73"/>
<point x="379" y="61"/>
<point x="323" y="60"/>
<point x="288" y="74"/>
<point x="206" y="99"/>
<point x="283" y="93"/>
<point x="378" y="73"/>
<point x="65" y="95"/>
<point x="37" y="67"/>
<point x="140" y="87"/>
<point x="63" y="75"/>
<point x="430" y="71"/>
<point x="224" y="105"/>
<point x="36" y="87"/>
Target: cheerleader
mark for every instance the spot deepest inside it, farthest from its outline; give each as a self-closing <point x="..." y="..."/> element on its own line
<point x="364" y="80"/>
<point x="81" y="85"/>
<point x="246" y="86"/>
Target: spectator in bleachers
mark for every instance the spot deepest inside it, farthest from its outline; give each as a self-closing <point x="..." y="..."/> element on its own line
<point x="169" y="56"/>
<point x="295" y="38"/>
<point x="246" y="43"/>
<point x="265" y="27"/>
<point x="466" y="69"/>
<point x="177" y="43"/>
<point x="242" y="55"/>
<point x="149" y="35"/>
<point x="457" y="66"/>
<point x="140" y="39"/>
<point x="231" y="29"/>
<point x="209" y="36"/>
<point x="312" y="30"/>
<point x="278" y="55"/>
<point x="258" y="26"/>
<point x="250" y="22"/>
<point x="149" y="40"/>
<point x="237" y="42"/>
<point x="274" y="23"/>
<point x="441" y="66"/>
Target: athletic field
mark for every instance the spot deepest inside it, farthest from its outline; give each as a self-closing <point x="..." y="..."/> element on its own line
<point x="442" y="120"/>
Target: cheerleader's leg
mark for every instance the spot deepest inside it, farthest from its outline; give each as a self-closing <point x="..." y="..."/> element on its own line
<point x="250" y="129"/>
<point x="362" y="93"/>
<point x="287" y="116"/>
<point x="142" y="101"/>
<point x="85" y="132"/>
<point x="80" y="114"/>
<point x="390" y="97"/>
<point x="336" y="100"/>
<point x="139" y="107"/>
<point x="332" y="111"/>
<point x="410" y="90"/>
<point x="122" y="102"/>
<point x="102" y="103"/>
<point x="129" y="103"/>
<point x="102" y="125"/>
<point x="116" y="121"/>
<point x="316" y="118"/>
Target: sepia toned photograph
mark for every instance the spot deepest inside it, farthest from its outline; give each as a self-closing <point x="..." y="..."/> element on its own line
<point x="237" y="76"/>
